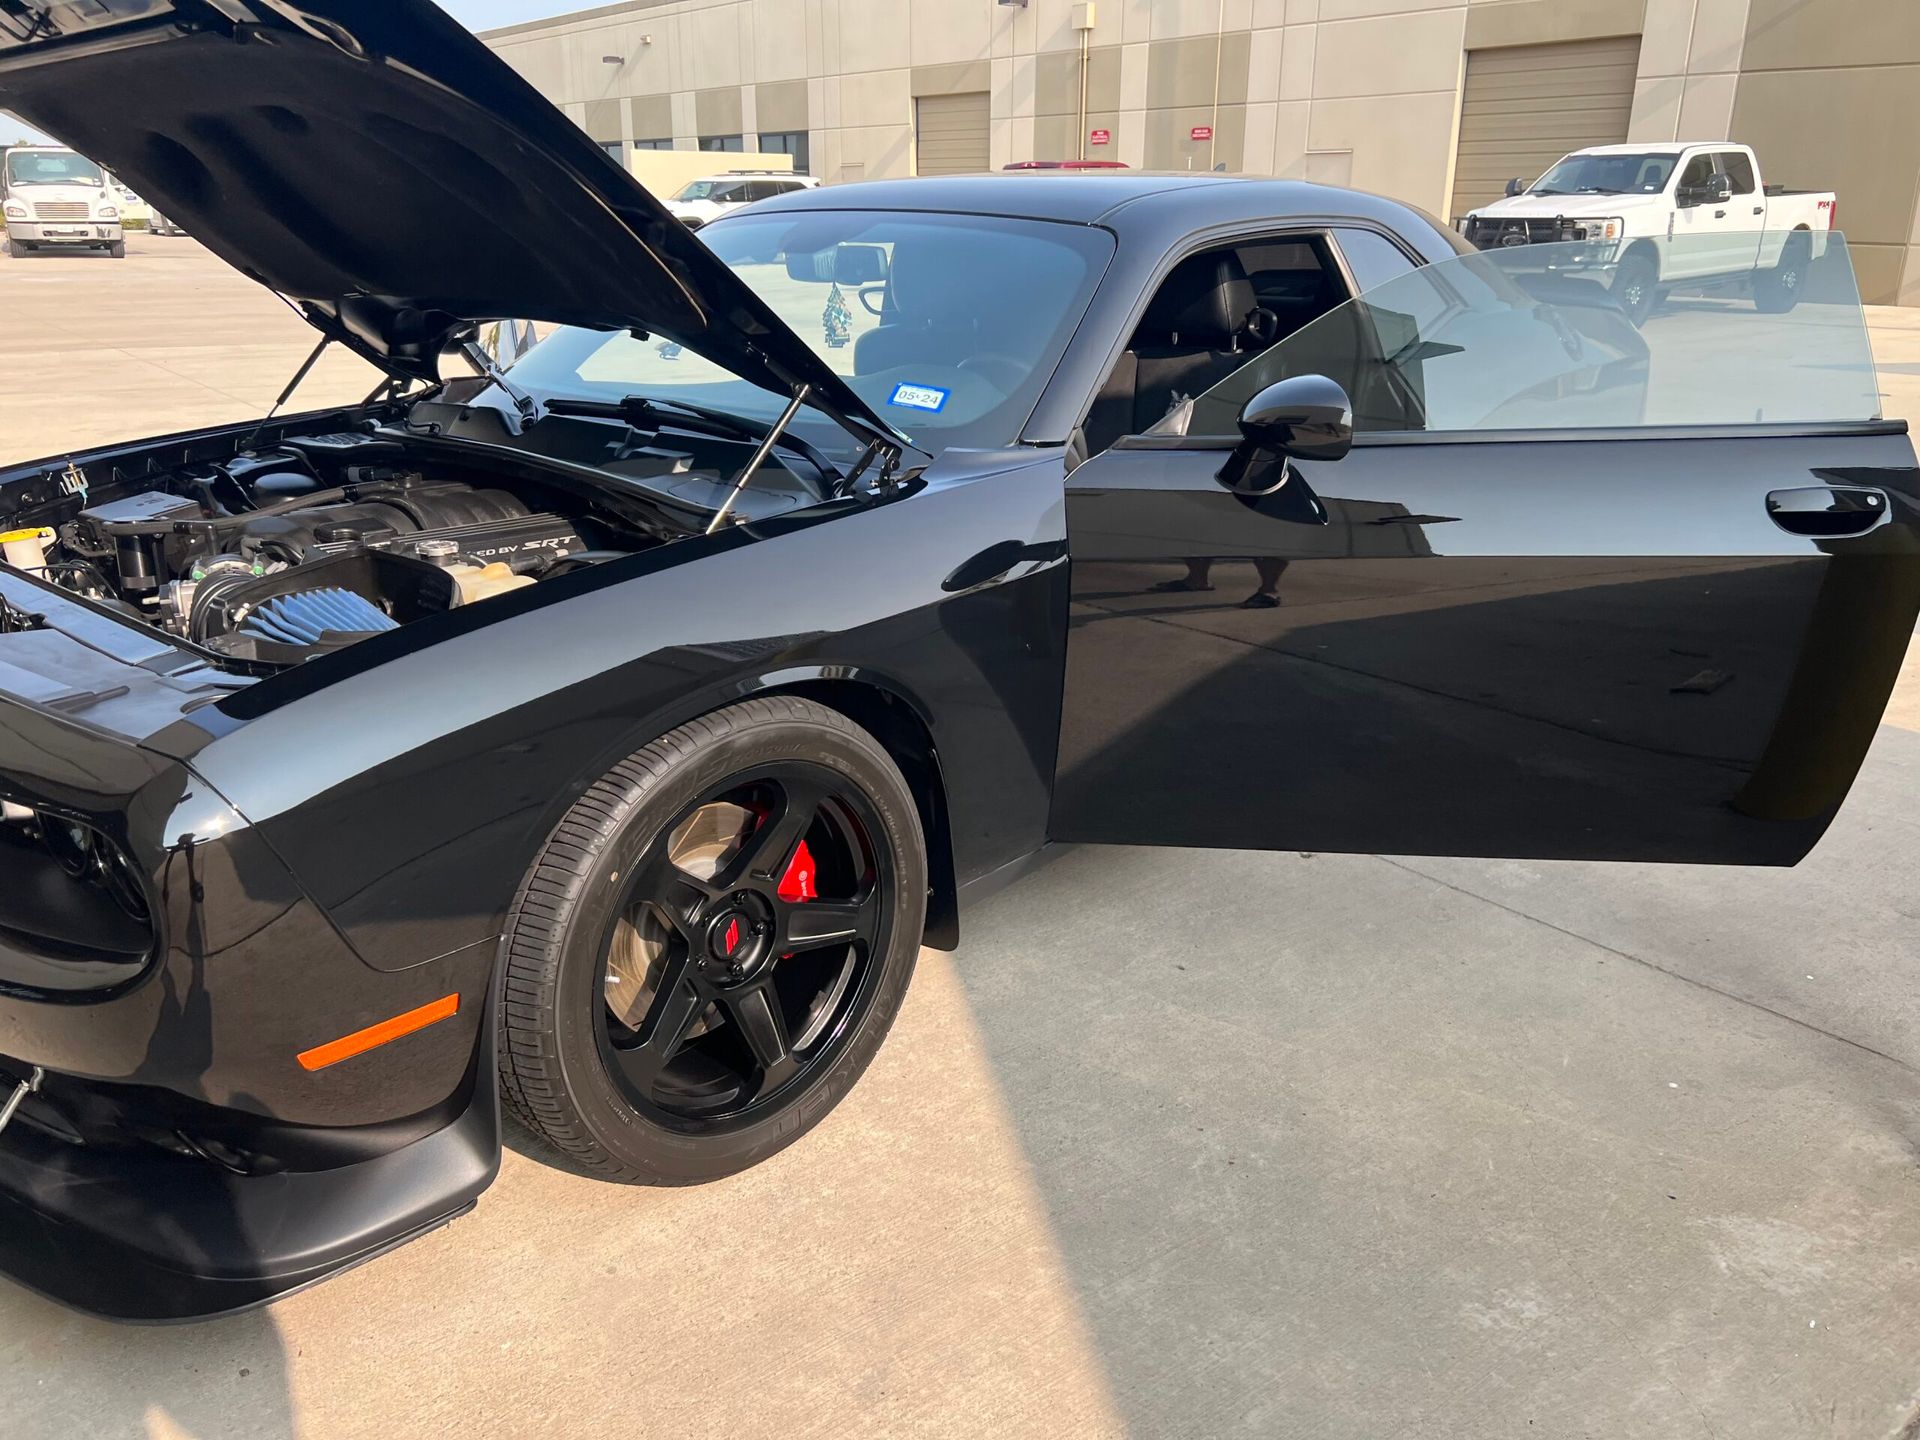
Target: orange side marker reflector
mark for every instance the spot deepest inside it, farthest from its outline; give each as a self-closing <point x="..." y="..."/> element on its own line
<point x="374" y="1036"/>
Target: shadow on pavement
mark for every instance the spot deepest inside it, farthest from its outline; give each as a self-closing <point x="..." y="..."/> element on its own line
<point x="119" y="1382"/>
<point x="1352" y="1146"/>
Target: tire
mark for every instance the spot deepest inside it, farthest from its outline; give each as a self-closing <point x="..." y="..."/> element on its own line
<point x="604" y="1088"/>
<point x="18" y="249"/>
<point x="1778" y="290"/>
<point x="118" y="250"/>
<point x="1636" y="288"/>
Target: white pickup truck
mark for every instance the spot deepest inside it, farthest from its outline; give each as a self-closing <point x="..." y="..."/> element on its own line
<point x="1653" y="217"/>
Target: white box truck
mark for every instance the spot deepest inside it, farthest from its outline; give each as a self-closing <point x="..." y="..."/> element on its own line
<point x="54" y="197"/>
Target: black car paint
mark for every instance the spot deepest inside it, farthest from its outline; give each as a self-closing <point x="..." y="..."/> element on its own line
<point x="409" y="838"/>
<point x="339" y="842"/>
<point x="1500" y="663"/>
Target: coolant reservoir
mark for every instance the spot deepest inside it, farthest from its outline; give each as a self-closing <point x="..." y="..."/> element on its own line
<point x="480" y="582"/>
<point x="26" y="549"/>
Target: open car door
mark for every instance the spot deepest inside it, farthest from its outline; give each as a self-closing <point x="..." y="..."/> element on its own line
<point x="1577" y="591"/>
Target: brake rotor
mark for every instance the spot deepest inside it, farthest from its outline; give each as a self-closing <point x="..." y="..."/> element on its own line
<point x="637" y="957"/>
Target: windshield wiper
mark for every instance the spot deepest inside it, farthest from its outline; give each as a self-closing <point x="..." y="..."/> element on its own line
<point x="641" y="413"/>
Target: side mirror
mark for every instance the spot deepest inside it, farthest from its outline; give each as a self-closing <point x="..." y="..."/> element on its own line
<point x="1719" y="189"/>
<point x="1305" y="417"/>
<point x="1515" y="187"/>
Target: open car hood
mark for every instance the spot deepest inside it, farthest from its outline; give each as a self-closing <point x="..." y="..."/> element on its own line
<point x="374" y="162"/>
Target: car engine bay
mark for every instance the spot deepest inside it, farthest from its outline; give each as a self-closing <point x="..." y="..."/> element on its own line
<point x="271" y="556"/>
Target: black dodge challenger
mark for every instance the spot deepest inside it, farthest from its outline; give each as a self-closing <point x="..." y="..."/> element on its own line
<point x="602" y="727"/>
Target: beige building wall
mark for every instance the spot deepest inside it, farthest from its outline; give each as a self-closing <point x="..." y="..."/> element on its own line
<point x="1829" y="95"/>
<point x="1359" y="92"/>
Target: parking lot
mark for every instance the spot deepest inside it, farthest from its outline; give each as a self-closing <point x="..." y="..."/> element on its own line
<point x="1178" y="1143"/>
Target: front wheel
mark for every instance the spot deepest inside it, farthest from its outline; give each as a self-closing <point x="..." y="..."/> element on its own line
<point x="712" y="944"/>
<point x="1636" y="287"/>
<point x="17" y="249"/>
<point x="118" y="250"/>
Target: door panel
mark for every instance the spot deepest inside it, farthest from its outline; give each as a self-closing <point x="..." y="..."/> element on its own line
<point x="1597" y="649"/>
<point x="1709" y="239"/>
<point x="1746" y="212"/>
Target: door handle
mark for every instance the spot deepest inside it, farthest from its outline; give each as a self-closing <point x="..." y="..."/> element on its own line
<point x="1719" y="214"/>
<point x="1828" y="512"/>
<point x="1759" y="209"/>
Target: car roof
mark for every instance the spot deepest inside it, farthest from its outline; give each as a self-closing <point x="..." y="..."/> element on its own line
<point x="1098" y="196"/>
<point x="1670" y="148"/>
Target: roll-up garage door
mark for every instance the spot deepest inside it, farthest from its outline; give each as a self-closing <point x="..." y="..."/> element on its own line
<point x="1527" y="105"/>
<point x="951" y="133"/>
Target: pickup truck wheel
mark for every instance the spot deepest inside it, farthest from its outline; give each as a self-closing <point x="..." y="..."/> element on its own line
<point x="1777" y="291"/>
<point x="713" y="944"/>
<point x="1636" y="287"/>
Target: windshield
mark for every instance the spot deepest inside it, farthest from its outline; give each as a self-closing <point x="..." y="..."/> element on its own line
<point x="1634" y="174"/>
<point x="698" y="189"/>
<point x="947" y="325"/>
<point x="50" y="167"/>
<point x="1535" y="337"/>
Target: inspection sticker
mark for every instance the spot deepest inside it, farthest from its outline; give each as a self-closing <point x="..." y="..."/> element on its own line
<point x="919" y="397"/>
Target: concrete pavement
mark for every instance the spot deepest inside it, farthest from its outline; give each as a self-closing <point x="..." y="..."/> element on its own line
<point x="1179" y="1144"/>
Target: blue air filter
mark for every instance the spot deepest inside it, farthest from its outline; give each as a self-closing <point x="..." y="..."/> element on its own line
<point x="304" y="617"/>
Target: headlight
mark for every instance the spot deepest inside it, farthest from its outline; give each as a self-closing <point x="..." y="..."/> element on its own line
<point x="16" y="211"/>
<point x="1609" y="229"/>
<point x="109" y="212"/>
<point x="75" y="920"/>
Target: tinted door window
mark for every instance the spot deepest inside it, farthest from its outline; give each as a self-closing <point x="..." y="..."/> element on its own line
<point x="1373" y="259"/>
<point x="1505" y="340"/>
<point x="1739" y="169"/>
<point x="1699" y="170"/>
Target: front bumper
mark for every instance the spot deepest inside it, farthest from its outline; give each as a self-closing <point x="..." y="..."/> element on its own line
<point x="1564" y="256"/>
<point x="64" y="232"/>
<point x="190" y="1152"/>
<point x="146" y="1235"/>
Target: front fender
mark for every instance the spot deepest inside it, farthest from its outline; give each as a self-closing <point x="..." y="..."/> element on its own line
<point x="409" y="780"/>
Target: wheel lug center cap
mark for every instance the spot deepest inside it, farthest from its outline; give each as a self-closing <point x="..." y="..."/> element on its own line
<point x="736" y="937"/>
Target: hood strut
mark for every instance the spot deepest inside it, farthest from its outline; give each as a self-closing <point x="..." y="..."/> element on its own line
<point x="286" y="394"/>
<point x="767" y="442"/>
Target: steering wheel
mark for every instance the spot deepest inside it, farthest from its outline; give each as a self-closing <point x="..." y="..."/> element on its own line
<point x="1002" y="371"/>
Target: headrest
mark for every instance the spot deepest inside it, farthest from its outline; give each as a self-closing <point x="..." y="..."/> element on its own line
<point x="920" y="282"/>
<point x="1204" y="304"/>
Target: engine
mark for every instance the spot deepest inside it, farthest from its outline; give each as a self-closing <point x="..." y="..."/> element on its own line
<point x="272" y="558"/>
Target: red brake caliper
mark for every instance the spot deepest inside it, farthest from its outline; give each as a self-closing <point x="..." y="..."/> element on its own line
<point x="798" y="883"/>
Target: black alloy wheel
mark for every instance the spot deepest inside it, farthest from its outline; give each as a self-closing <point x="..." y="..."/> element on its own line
<point x="713" y="944"/>
<point x="745" y="946"/>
